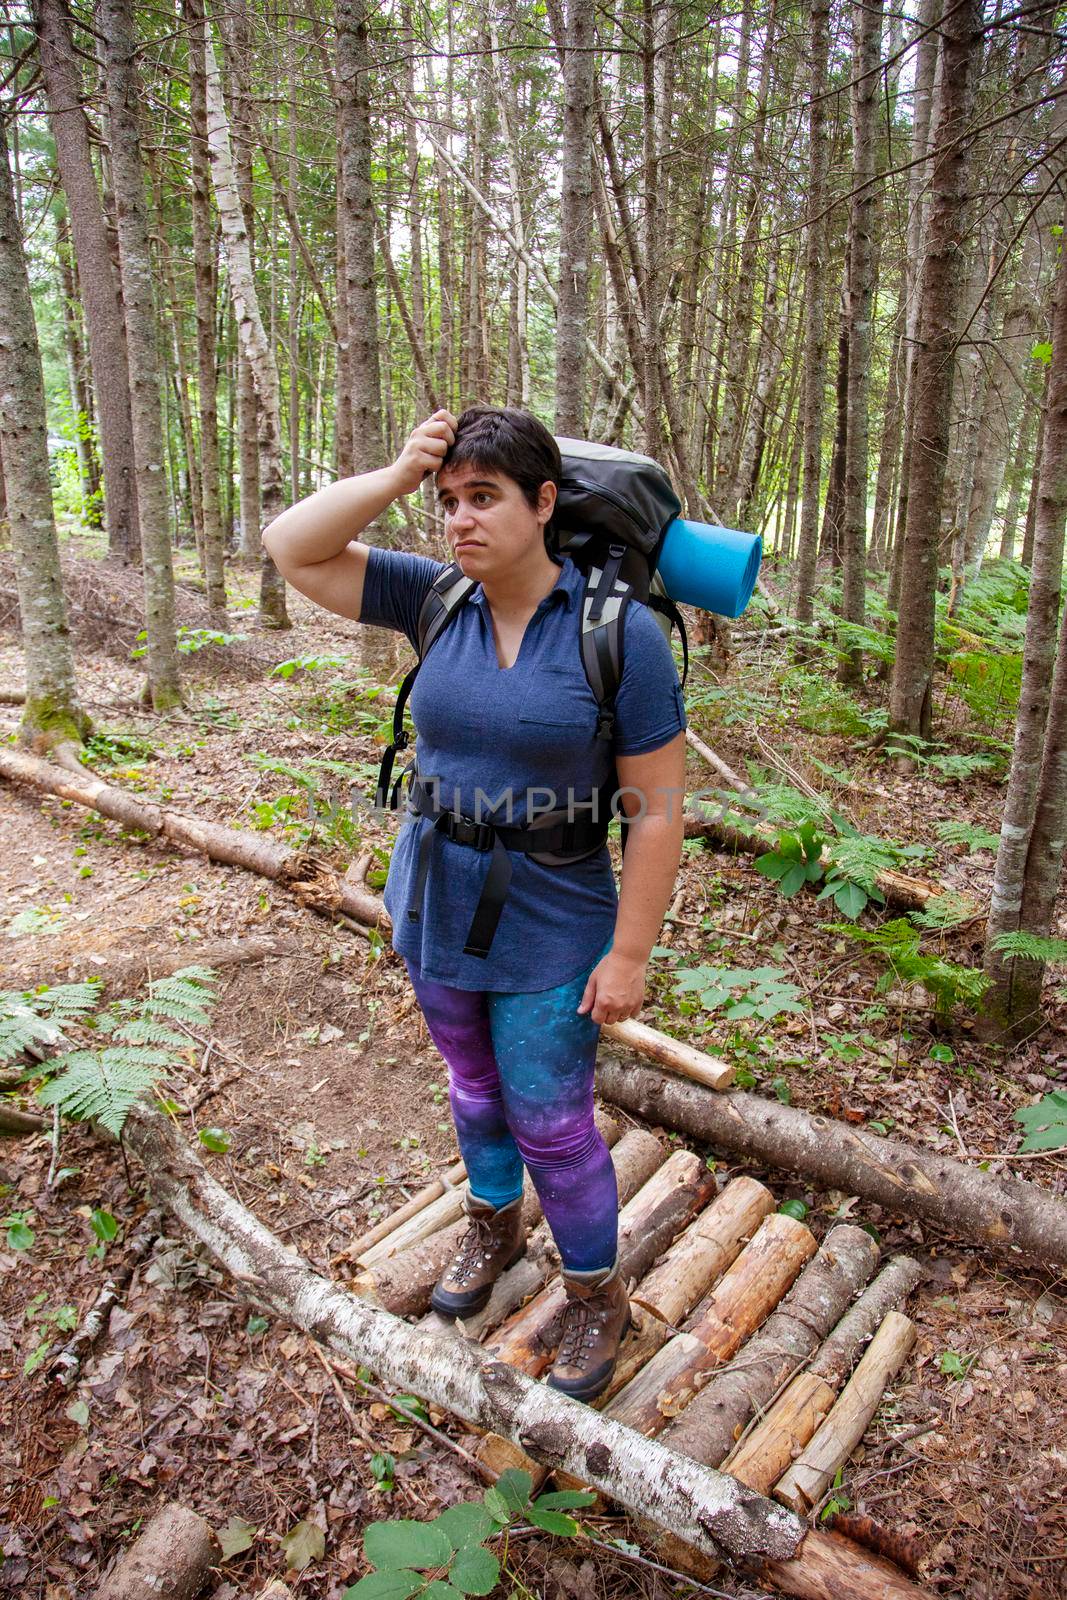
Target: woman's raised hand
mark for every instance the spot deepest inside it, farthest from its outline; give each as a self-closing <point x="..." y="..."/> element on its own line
<point x="425" y="450"/>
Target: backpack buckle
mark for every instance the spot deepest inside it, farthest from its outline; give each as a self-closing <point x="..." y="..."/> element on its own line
<point x="464" y="830"/>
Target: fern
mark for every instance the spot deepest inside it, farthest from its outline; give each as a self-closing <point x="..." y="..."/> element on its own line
<point x="1031" y="947"/>
<point x="943" y="911"/>
<point x="966" y="833"/>
<point x="101" y="1085"/>
<point x="897" y="944"/>
<point x="37" y="1016"/>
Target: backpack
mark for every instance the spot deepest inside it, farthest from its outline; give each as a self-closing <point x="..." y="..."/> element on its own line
<point x="611" y="516"/>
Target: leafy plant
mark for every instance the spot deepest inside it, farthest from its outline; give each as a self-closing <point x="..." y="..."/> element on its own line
<point x="897" y="943"/>
<point x="103" y="1084"/>
<point x="762" y="992"/>
<point x="307" y="663"/>
<point x="795" y="861"/>
<point x="448" y="1556"/>
<point x="1031" y="947"/>
<point x="35" y="919"/>
<point x="1045" y="1122"/>
<point x="953" y="1365"/>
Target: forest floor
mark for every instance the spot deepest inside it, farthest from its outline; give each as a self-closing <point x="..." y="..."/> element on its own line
<point x="319" y="1075"/>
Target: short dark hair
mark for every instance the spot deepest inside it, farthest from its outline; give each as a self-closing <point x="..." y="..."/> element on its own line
<point x="505" y="439"/>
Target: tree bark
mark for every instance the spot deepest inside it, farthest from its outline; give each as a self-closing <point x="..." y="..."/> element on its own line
<point x="911" y="708"/>
<point x="173" y="1557"/>
<point x="814" y="315"/>
<point x="81" y="398"/>
<point x="204" y="280"/>
<point x="575" y="230"/>
<point x="250" y="330"/>
<point x="51" y="714"/>
<point x="1002" y="1213"/>
<point x="146" y="406"/>
<point x="353" y="79"/>
<point x="99" y="285"/>
<point x="1001" y="1009"/>
<point x="866" y="53"/>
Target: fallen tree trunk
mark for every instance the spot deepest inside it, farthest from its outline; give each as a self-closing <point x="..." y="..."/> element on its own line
<point x="1008" y="1213"/>
<point x="711" y="1511"/>
<point x="173" y="1556"/>
<point x="310" y="880"/>
<point x="18" y="1124"/>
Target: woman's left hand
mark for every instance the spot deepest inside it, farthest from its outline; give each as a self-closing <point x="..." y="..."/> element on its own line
<point x="615" y="990"/>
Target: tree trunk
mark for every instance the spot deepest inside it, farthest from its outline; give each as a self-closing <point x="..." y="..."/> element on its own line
<point x="1002" y="1213"/>
<point x="250" y="331"/>
<point x="353" y="79"/>
<point x="866" y="52"/>
<point x="709" y="1510"/>
<point x="146" y="406"/>
<point x="575" y="229"/>
<point x="1000" y="1009"/>
<point x="911" y="708"/>
<point x="814" y="314"/>
<point x="81" y="400"/>
<point x="204" y="279"/>
<point x="99" y="286"/>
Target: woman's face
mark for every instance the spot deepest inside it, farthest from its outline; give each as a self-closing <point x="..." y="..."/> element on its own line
<point x="489" y="523"/>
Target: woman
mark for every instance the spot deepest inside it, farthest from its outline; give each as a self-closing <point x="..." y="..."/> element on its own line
<point x="506" y="718"/>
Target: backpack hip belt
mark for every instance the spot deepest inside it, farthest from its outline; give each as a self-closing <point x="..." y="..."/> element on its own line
<point x="556" y="839"/>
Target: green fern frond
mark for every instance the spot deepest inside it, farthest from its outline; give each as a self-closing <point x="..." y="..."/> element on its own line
<point x="944" y="911"/>
<point x="101" y="1086"/>
<point x="37" y="1016"/>
<point x="143" y="1030"/>
<point x="782" y="803"/>
<point x="974" y="838"/>
<point x="1031" y="947"/>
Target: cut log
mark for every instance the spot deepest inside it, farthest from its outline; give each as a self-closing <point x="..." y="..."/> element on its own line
<point x="830" y="1567"/>
<point x="646" y="1226"/>
<point x="1008" y="1214"/>
<point x="703" y="1252"/>
<point x="309" y="879"/>
<point x="745" y="1294"/>
<point x="673" y="1054"/>
<point x="403" y="1283"/>
<point x="439" y="1213"/>
<point x="714" y="1419"/>
<point x="708" y="1509"/>
<point x="381" y="1230"/>
<point x="735" y="833"/>
<point x="807" y="1480"/>
<point x="133" y="967"/>
<point x="635" y="1158"/>
<point x="173" y="1556"/>
<point x="766" y="1453"/>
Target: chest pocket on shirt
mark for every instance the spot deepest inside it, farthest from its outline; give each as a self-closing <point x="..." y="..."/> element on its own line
<point x="558" y="698"/>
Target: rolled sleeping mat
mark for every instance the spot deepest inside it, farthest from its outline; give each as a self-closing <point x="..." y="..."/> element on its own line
<point x="713" y="568"/>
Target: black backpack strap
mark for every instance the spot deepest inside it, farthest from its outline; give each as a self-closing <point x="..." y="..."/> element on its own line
<point x="667" y="608"/>
<point x="443" y="600"/>
<point x="603" y="614"/>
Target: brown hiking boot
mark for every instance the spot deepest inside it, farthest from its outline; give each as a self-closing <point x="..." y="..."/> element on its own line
<point x="595" y="1318"/>
<point x="494" y="1241"/>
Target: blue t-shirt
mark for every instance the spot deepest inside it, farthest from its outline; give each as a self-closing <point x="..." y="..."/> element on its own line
<point x="512" y="730"/>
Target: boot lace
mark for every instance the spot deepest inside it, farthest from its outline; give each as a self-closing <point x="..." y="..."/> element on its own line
<point x="476" y="1242"/>
<point x="579" y="1323"/>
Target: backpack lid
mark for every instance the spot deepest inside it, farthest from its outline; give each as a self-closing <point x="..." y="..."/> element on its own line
<point x="612" y="496"/>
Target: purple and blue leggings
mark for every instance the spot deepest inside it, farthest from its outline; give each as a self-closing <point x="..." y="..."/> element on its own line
<point x="520" y="1084"/>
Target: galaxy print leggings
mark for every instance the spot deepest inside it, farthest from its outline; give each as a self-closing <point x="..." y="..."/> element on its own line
<point x="520" y="1084"/>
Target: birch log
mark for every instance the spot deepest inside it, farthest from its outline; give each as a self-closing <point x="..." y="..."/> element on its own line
<point x="1008" y="1214"/>
<point x="712" y="1510"/>
<point x="674" y="1054"/>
